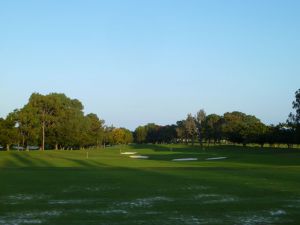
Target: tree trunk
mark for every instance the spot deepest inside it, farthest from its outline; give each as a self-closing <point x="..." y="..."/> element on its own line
<point x="7" y="147"/>
<point x="23" y="141"/>
<point x="56" y="146"/>
<point x="43" y="141"/>
<point x="200" y="140"/>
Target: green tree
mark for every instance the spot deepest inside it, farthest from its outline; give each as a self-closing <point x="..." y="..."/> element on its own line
<point x="213" y="128"/>
<point x="121" y="136"/>
<point x="200" y="120"/>
<point x="56" y="117"/>
<point x="8" y="132"/>
<point x="191" y="128"/>
<point x="94" y="130"/>
<point x="181" y="131"/>
<point x="140" y="134"/>
<point x="44" y="107"/>
<point x="294" y="118"/>
<point x="27" y="125"/>
<point x="241" y="128"/>
<point x="108" y="135"/>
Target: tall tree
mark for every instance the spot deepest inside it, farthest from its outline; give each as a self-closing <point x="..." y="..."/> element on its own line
<point x="200" y="119"/>
<point x="27" y="125"/>
<point x="94" y="130"/>
<point x="213" y="125"/>
<point x="191" y="128"/>
<point x="294" y="118"/>
<point x="241" y="128"/>
<point x="59" y="118"/>
<point x="152" y="133"/>
<point x="121" y="136"/>
<point x="44" y="108"/>
<point x="8" y="132"/>
<point x="140" y="134"/>
<point x="181" y="131"/>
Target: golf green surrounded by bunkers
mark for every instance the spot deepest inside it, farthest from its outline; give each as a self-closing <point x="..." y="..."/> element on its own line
<point x="237" y="186"/>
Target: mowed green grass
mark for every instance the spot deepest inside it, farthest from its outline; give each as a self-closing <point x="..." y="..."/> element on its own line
<point x="253" y="186"/>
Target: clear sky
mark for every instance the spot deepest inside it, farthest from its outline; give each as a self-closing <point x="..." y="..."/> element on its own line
<point x="134" y="62"/>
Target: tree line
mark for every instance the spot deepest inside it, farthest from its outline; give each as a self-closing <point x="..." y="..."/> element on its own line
<point x="55" y="121"/>
<point x="233" y="127"/>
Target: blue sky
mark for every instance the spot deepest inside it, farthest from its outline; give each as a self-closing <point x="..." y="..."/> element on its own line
<point x="134" y="62"/>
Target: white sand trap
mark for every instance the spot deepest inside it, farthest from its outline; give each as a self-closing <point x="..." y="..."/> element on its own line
<point x="217" y="158"/>
<point x="139" y="157"/>
<point x="185" y="159"/>
<point x="278" y="213"/>
<point x="128" y="153"/>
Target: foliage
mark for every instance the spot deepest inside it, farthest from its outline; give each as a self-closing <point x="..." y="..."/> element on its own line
<point x="200" y="119"/>
<point x="152" y="133"/>
<point x="56" y="121"/>
<point x="294" y="118"/>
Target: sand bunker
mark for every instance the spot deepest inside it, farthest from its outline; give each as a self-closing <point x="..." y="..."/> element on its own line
<point x="217" y="158"/>
<point x="128" y="153"/>
<point x="139" y="157"/>
<point x="185" y="159"/>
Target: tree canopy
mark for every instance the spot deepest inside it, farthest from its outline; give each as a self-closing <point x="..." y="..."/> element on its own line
<point x="55" y="121"/>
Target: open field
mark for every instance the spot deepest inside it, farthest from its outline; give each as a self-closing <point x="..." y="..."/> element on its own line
<point x="251" y="186"/>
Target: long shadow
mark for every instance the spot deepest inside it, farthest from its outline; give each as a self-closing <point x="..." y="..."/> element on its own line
<point x="151" y="180"/>
<point x="24" y="161"/>
<point x="85" y="163"/>
<point x="9" y="164"/>
<point x="23" y="158"/>
<point x="174" y="175"/>
<point x="216" y="177"/>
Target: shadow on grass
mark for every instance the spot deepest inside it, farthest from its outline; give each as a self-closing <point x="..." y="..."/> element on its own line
<point x="24" y="159"/>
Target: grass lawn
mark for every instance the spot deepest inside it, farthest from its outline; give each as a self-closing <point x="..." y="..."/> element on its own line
<point x="252" y="186"/>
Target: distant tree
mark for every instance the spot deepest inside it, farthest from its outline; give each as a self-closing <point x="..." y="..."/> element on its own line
<point x="108" y="135"/>
<point x="213" y="128"/>
<point x="200" y="120"/>
<point x="57" y="118"/>
<point x="27" y="124"/>
<point x="128" y="137"/>
<point x="122" y="136"/>
<point x="95" y="130"/>
<point x="241" y="128"/>
<point x="8" y="132"/>
<point x="181" y="132"/>
<point x="294" y="118"/>
<point x="280" y="134"/>
<point x="44" y="108"/>
<point x="167" y="134"/>
<point x="261" y="135"/>
<point x="191" y="128"/>
<point x="152" y="133"/>
<point x="91" y="131"/>
<point x="140" y="134"/>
